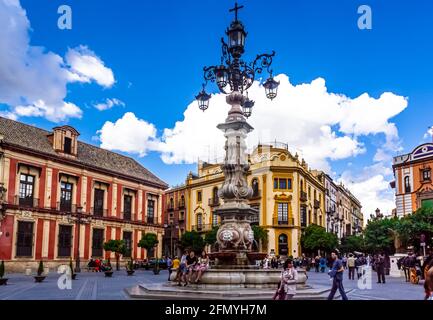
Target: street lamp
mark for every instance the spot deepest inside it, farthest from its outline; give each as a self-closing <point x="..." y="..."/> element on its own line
<point x="233" y="77"/>
<point x="235" y="73"/>
<point x="79" y="220"/>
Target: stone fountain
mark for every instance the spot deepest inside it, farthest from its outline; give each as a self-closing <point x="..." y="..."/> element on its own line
<point x="234" y="274"/>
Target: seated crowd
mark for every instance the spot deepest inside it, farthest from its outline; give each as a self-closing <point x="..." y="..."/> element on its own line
<point x="190" y="268"/>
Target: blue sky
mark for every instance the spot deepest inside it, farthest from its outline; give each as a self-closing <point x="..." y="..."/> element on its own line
<point x="156" y="51"/>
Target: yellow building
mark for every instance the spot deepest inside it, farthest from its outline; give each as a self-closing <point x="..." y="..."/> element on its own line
<point x="288" y="196"/>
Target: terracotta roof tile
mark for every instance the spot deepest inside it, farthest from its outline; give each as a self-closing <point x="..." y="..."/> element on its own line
<point x="36" y="139"/>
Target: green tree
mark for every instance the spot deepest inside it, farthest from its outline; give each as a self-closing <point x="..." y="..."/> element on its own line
<point x="316" y="238"/>
<point x="192" y="240"/>
<point x="260" y="234"/>
<point x="40" y="268"/>
<point x="210" y="237"/>
<point x="411" y="227"/>
<point x="378" y="235"/>
<point x="116" y="246"/>
<point x="352" y="243"/>
<point x="148" y="242"/>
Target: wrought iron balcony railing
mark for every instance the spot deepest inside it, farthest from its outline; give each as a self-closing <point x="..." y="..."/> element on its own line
<point x="28" y="202"/>
<point x="214" y="202"/>
<point x="316" y="204"/>
<point x="201" y="227"/>
<point x="288" y="222"/>
<point x="98" y="212"/>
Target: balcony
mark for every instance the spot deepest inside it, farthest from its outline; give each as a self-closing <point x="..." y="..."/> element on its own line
<point x="303" y="196"/>
<point x="316" y="204"/>
<point x="170" y="207"/>
<point x="98" y="212"/>
<point x="127" y="215"/>
<point x="201" y="227"/>
<point x="28" y="202"/>
<point x="214" y="202"/>
<point x="289" y="222"/>
<point x="181" y="218"/>
<point x="66" y="207"/>
<point x="151" y="220"/>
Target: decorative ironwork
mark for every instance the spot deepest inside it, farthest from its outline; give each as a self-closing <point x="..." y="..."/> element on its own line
<point x="233" y="74"/>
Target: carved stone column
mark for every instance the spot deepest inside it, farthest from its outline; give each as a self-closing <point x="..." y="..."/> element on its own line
<point x="235" y="234"/>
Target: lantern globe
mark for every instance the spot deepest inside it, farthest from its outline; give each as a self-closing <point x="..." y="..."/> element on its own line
<point x="271" y="88"/>
<point x="203" y="100"/>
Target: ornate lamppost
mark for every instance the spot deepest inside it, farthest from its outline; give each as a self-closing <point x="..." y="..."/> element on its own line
<point x="234" y="77"/>
<point x="79" y="218"/>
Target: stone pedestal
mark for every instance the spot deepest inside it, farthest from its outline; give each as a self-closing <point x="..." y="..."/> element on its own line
<point x="394" y="271"/>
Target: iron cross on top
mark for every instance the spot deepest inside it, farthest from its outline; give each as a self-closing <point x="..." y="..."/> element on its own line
<point x="236" y="9"/>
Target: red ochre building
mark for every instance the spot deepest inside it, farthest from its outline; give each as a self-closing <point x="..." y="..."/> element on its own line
<point x="60" y="197"/>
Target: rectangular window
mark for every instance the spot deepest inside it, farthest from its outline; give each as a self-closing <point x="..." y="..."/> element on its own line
<point x="289" y="184"/>
<point x="198" y="196"/>
<point x="127" y="207"/>
<point x="68" y="145"/>
<point x="26" y="190"/>
<point x="426" y="175"/>
<point x="199" y="221"/>
<point x="97" y="242"/>
<point x="24" y="239"/>
<point x="283" y="212"/>
<point x="98" y="203"/>
<point x="283" y="184"/>
<point x="65" y="241"/>
<point x="150" y="211"/>
<point x="65" y="197"/>
<point x="303" y="216"/>
<point x="276" y="183"/>
<point x="127" y="237"/>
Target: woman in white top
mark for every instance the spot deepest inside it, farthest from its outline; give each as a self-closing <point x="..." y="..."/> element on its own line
<point x="288" y="279"/>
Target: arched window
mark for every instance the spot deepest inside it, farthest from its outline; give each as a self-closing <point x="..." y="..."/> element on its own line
<point x="182" y="201"/>
<point x="171" y="205"/>
<point x="406" y="184"/>
<point x="283" y="245"/>
<point x="255" y="187"/>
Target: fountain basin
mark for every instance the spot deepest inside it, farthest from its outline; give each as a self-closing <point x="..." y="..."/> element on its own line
<point x="224" y="279"/>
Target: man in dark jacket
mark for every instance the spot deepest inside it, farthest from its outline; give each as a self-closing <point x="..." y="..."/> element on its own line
<point x="380" y="268"/>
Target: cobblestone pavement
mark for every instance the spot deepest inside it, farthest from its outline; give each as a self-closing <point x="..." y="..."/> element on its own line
<point x="95" y="286"/>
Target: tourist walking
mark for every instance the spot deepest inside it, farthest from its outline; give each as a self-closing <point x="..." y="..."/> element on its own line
<point x="351" y="266"/>
<point x="337" y="274"/>
<point x="316" y="263"/>
<point x="344" y="260"/>
<point x="379" y="265"/>
<point x="358" y="267"/>
<point x="428" y="284"/>
<point x="181" y="273"/>
<point x="287" y="286"/>
<point x="169" y="267"/>
<point x="322" y="263"/>
<point x="289" y="276"/>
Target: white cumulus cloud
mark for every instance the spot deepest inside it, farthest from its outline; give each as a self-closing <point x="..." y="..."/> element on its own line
<point x="108" y="104"/>
<point x="85" y="66"/>
<point x="33" y="81"/>
<point x="129" y="134"/>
